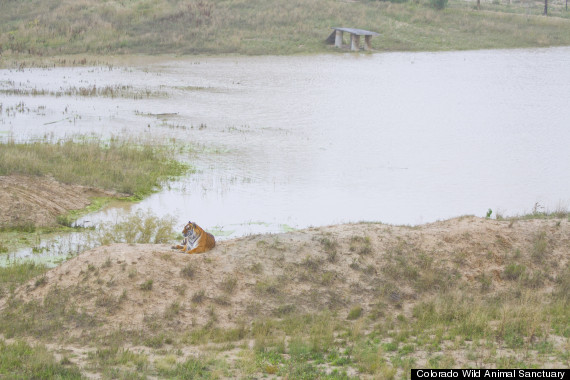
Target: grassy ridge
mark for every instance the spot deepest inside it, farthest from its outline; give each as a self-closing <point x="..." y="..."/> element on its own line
<point x="119" y="166"/>
<point x="513" y="310"/>
<point x="52" y="27"/>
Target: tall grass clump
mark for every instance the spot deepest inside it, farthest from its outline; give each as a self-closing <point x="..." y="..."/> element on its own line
<point x="140" y="227"/>
<point x="20" y="361"/>
<point x="438" y="4"/>
<point x="136" y="170"/>
<point x="17" y="274"/>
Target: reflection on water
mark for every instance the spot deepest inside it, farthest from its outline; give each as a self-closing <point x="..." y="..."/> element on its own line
<point x="285" y="142"/>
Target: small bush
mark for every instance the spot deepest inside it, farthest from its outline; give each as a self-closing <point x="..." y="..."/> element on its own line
<point x="140" y="228"/>
<point x="199" y="296"/>
<point x="514" y="271"/>
<point x="440" y="4"/>
<point x="188" y="271"/>
<point x="354" y="313"/>
<point x="229" y="284"/>
<point x="539" y="247"/>
<point x="147" y="285"/>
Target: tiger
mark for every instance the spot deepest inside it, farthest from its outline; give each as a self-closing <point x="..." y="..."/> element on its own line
<point x="196" y="240"/>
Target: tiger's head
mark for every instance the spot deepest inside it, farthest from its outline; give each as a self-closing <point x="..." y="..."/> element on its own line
<point x="190" y="228"/>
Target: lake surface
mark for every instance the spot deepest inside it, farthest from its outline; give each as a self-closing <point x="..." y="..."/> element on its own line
<point x="292" y="142"/>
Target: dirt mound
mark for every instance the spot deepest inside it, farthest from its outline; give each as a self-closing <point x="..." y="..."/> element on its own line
<point x="372" y="266"/>
<point x="37" y="201"/>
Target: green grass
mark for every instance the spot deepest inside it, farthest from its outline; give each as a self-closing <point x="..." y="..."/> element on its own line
<point x="138" y="228"/>
<point x="19" y="360"/>
<point x="39" y="28"/>
<point x="140" y="171"/>
<point x="16" y="274"/>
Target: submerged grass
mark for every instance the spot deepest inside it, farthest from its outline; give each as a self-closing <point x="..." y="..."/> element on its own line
<point x="136" y="170"/>
<point x="51" y="27"/>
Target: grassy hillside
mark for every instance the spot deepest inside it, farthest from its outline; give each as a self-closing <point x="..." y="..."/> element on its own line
<point x="56" y="27"/>
<point x="356" y="301"/>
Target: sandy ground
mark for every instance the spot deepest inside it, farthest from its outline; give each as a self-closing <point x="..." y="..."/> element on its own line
<point x="26" y="200"/>
<point x="327" y="268"/>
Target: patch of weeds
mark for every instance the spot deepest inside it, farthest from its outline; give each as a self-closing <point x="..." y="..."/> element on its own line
<point x="172" y="310"/>
<point x="107" y="263"/>
<point x="513" y="271"/>
<point x="155" y="341"/>
<point x="256" y="268"/>
<point x="562" y="290"/>
<point x="277" y="245"/>
<point x="193" y="368"/>
<point x="22" y="361"/>
<point x="390" y="347"/>
<point x="370" y="270"/>
<point x="65" y="220"/>
<point x="354" y="313"/>
<point x="328" y="278"/>
<point x="212" y="315"/>
<point x="534" y="280"/>
<point x="115" y="356"/>
<point x="369" y="358"/>
<point x="407" y="349"/>
<point x="229" y="284"/>
<point x="41" y="281"/>
<point x="44" y="319"/>
<point x="311" y="263"/>
<point x="361" y="245"/>
<point x="354" y="265"/>
<point x="132" y="273"/>
<point x="267" y="286"/>
<point x="284" y="310"/>
<point x="330" y="247"/>
<point x="222" y="300"/>
<point x="109" y="303"/>
<point x="140" y="228"/>
<point x="165" y="363"/>
<point x="199" y="296"/>
<point x="539" y="247"/>
<point x="544" y="347"/>
<point x="180" y="289"/>
<point x="146" y="286"/>
<point x="486" y="281"/>
<point x="188" y="271"/>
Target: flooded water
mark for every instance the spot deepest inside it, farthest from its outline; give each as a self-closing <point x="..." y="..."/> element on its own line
<point x="292" y="142"/>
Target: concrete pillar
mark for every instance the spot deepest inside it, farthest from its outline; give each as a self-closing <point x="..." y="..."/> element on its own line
<point x="338" y="39"/>
<point x="367" y="43"/>
<point x="355" y="42"/>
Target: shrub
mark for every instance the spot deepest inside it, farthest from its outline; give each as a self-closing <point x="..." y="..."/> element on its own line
<point x="354" y="313"/>
<point x="438" y="4"/>
<point x="147" y="285"/>
<point x="514" y="271"/>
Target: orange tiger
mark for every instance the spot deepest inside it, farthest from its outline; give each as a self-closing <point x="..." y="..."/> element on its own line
<point x="196" y="240"/>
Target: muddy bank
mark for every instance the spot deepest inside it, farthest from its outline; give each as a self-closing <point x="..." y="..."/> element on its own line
<point x="38" y="201"/>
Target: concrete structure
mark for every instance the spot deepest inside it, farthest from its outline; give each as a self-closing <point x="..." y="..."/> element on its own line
<point x="355" y="34"/>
